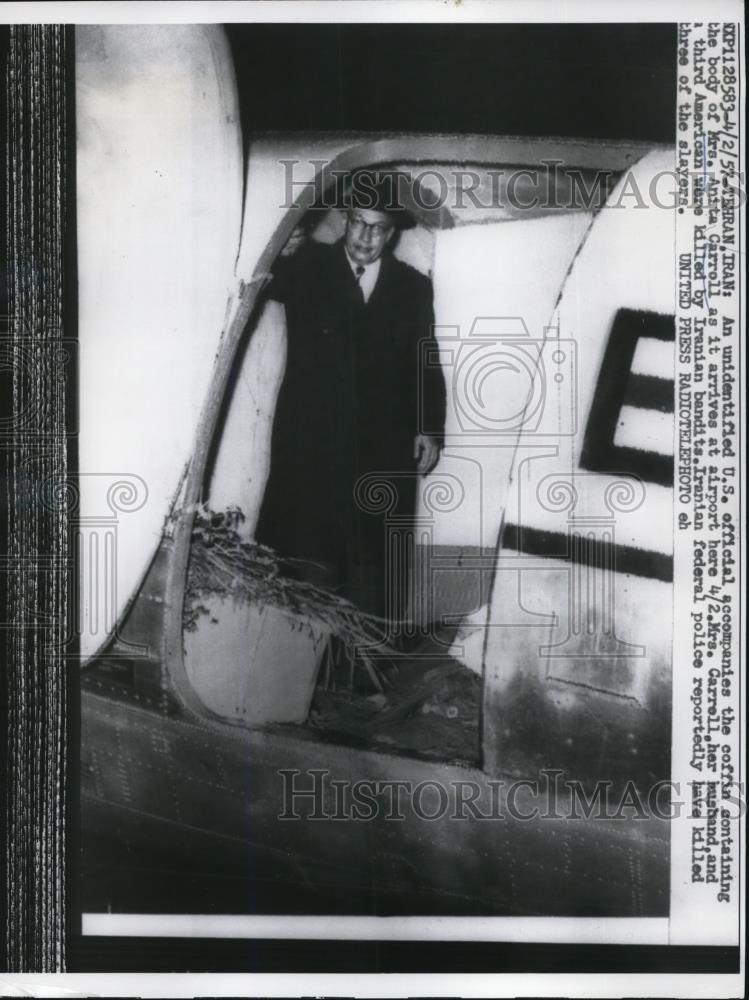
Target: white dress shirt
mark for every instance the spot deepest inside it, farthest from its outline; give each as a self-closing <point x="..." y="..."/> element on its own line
<point x="368" y="279"/>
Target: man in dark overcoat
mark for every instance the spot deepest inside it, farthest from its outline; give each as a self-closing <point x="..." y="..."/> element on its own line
<point x="361" y="408"/>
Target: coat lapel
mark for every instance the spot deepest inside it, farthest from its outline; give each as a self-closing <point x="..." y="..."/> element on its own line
<point x="344" y="284"/>
<point x="384" y="279"/>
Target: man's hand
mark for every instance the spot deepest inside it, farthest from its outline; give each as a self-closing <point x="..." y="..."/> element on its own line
<point x="426" y="453"/>
<point x="295" y="242"/>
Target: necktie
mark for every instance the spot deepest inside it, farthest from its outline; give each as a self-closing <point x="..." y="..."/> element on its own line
<point x="359" y="293"/>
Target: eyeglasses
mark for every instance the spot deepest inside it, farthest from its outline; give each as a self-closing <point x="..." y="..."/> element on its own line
<point x="378" y="229"/>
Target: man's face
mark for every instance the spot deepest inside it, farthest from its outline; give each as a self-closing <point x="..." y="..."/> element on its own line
<point x="368" y="232"/>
